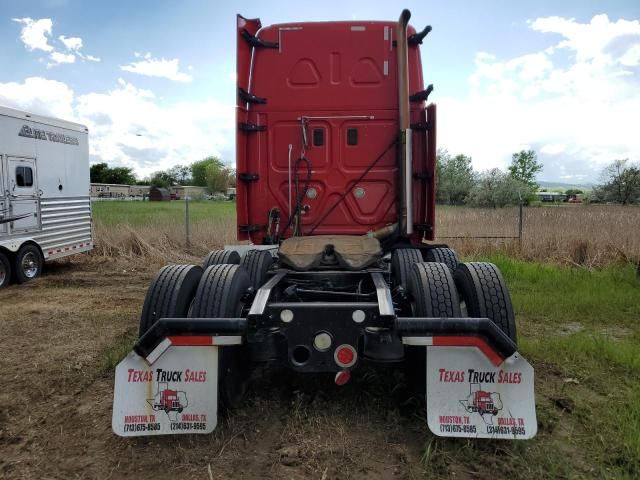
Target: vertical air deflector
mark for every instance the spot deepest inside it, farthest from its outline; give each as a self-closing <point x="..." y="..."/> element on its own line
<point x="406" y="210"/>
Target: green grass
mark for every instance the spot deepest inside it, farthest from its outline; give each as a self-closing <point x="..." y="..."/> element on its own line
<point x="143" y="213"/>
<point x="580" y="329"/>
<point x="109" y="358"/>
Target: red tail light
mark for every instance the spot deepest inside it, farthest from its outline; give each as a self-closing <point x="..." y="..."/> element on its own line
<point x="345" y="355"/>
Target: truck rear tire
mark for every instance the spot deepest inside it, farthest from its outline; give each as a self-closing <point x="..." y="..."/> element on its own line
<point x="221" y="257"/>
<point x="170" y="294"/>
<point x="485" y="295"/>
<point x="28" y="263"/>
<point x="257" y="264"/>
<point x="220" y="295"/>
<point x="5" y="270"/>
<point x="402" y="260"/>
<point x="433" y="293"/>
<point x="443" y="255"/>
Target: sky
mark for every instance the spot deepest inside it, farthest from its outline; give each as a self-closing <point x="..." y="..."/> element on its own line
<point x="155" y="80"/>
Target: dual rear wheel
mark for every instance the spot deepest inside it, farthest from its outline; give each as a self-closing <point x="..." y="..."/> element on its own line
<point x="216" y="291"/>
<point x="444" y="287"/>
<point x="436" y="289"/>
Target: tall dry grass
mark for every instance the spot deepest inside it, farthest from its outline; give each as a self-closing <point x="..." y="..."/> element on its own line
<point x="586" y="235"/>
<point x="163" y="240"/>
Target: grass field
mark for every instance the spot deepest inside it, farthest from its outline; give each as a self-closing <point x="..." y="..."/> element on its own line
<point x="584" y="235"/>
<point x="577" y="324"/>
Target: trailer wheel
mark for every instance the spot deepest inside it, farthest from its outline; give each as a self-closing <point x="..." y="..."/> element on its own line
<point x="5" y="270"/>
<point x="486" y="295"/>
<point x="257" y="263"/>
<point x="170" y="294"/>
<point x="28" y="263"/>
<point x="220" y="295"/>
<point x="221" y="257"/>
<point x="433" y="294"/>
<point x="443" y="255"/>
<point x="402" y="260"/>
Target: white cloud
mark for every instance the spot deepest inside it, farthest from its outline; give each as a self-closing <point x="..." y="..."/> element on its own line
<point x="575" y="102"/>
<point x="34" y="33"/>
<point x="72" y="43"/>
<point x="39" y="95"/>
<point x="157" y="67"/>
<point x="129" y="127"/>
<point x="58" y="57"/>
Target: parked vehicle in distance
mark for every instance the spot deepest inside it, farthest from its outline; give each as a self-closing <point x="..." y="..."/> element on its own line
<point x="45" y="207"/>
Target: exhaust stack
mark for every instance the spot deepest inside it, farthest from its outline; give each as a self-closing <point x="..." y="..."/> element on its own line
<point x="406" y="158"/>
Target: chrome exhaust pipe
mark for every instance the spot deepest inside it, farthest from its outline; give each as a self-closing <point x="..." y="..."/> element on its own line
<point x="406" y="156"/>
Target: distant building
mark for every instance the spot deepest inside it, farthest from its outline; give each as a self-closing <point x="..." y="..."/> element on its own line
<point x="182" y="191"/>
<point x="139" y="190"/>
<point x="157" y="194"/>
<point x="109" y="190"/>
<point x="551" y="197"/>
<point x="112" y="190"/>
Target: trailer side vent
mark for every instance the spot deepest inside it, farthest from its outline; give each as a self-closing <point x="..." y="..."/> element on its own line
<point x="318" y="137"/>
<point x="352" y="136"/>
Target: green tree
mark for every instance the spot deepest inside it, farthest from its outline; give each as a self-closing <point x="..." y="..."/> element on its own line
<point x="182" y="174"/>
<point x="495" y="189"/>
<point x="217" y="178"/>
<point x="120" y="175"/>
<point x="573" y="191"/>
<point x="102" y="173"/>
<point x="232" y="178"/>
<point x="163" y="179"/>
<point x="524" y="167"/>
<point x="621" y="183"/>
<point x="97" y="172"/>
<point x="200" y="168"/>
<point x="454" y="177"/>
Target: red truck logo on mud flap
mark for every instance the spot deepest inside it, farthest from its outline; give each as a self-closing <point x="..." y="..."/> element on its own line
<point x="486" y="404"/>
<point x="172" y="402"/>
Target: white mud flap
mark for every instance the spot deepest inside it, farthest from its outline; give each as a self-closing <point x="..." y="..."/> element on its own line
<point x="468" y="396"/>
<point x="178" y="393"/>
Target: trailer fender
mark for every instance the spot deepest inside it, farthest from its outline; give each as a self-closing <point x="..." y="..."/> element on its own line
<point x="14" y="244"/>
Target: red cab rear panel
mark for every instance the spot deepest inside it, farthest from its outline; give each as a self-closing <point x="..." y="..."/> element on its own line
<point x="339" y="79"/>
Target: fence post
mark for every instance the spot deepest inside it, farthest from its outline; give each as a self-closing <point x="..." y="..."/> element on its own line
<point x="520" y="226"/>
<point x="186" y="203"/>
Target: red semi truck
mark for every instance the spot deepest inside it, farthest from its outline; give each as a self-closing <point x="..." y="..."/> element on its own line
<point x="336" y="153"/>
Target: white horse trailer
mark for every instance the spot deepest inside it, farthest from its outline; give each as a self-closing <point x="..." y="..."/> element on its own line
<point x="45" y="207"/>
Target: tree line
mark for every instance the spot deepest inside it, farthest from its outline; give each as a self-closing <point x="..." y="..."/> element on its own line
<point x="459" y="184"/>
<point x="209" y="172"/>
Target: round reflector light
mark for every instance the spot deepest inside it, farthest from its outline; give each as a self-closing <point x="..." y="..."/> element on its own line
<point x="286" y="315"/>
<point x="322" y="341"/>
<point x="345" y="355"/>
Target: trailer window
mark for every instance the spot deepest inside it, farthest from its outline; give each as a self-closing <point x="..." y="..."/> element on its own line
<point x="24" y="177"/>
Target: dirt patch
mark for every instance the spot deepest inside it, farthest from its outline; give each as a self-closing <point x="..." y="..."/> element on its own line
<point x="62" y="332"/>
<point x="56" y="400"/>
